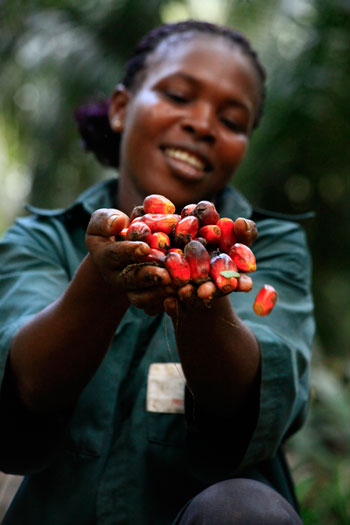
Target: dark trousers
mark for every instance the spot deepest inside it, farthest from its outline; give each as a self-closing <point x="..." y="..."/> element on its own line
<point x="239" y="502"/>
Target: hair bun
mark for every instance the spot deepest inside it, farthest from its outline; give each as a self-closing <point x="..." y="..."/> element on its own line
<point x="96" y="132"/>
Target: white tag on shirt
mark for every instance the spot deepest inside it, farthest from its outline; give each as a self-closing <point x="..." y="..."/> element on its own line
<point x="165" y="388"/>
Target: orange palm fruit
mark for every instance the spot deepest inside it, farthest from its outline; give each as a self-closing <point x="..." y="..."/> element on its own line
<point x="187" y="210"/>
<point x="138" y="211"/>
<point x="219" y="265"/>
<point x="228" y="237"/>
<point x="243" y="257"/>
<point x="160" y="223"/>
<point x="178" y="268"/>
<point x="199" y="261"/>
<point x="265" y="300"/>
<point x="186" y="229"/>
<point x="160" y="241"/>
<point x="158" y="204"/>
<point x="155" y="256"/>
<point x="139" y="231"/>
<point x="206" y="213"/>
<point x="211" y="233"/>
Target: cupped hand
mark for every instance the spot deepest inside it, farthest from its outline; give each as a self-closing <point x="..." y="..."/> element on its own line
<point x="121" y="262"/>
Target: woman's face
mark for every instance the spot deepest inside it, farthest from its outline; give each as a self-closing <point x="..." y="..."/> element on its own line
<point x="186" y="127"/>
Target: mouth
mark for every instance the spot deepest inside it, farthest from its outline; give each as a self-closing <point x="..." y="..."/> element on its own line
<point x="190" y="160"/>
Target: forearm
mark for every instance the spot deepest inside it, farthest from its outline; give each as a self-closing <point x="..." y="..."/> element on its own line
<point x="220" y="356"/>
<point x="55" y="355"/>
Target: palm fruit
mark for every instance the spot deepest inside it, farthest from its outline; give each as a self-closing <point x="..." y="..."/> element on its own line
<point x="186" y="229"/>
<point x="199" y="261"/>
<point x="265" y="300"/>
<point x="178" y="268"/>
<point x="220" y="265"/>
<point x="243" y="257"/>
<point x="160" y="241"/>
<point x="187" y="210"/>
<point x="158" y="204"/>
<point x="228" y="237"/>
<point x="206" y="213"/>
<point x="176" y="250"/>
<point x="160" y="223"/>
<point x="211" y="233"/>
<point x="121" y="236"/>
<point x="138" y="211"/>
<point x="139" y="231"/>
<point x="155" y="256"/>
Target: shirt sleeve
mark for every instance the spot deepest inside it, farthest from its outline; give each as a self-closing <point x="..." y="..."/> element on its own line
<point x="285" y="339"/>
<point x="32" y="275"/>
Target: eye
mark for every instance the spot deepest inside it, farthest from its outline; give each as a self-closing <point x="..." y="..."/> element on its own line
<point x="232" y="125"/>
<point x="177" y="97"/>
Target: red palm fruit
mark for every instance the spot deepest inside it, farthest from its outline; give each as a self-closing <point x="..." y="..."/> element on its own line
<point x="201" y="240"/>
<point x="223" y="263"/>
<point x="228" y="237"/>
<point x="187" y="210"/>
<point x="206" y="213"/>
<point x="138" y="211"/>
<point x="160" y="223"/>
<point x="186" y="229"/>
<point x="243" y="257"/>
<point x="211" y="233"/>
<point x="265" y="300"/>
<point x="199" y="261"/>
<point x="178" y="268"/>
<point x="176" y="250"/>
<point x="155" y="256"/>
<point x="160" y="241"/>
<point x="158" y="204"/>
<point x="139" y="231"/>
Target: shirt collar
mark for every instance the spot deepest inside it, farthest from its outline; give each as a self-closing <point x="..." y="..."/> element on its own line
<point x="231" y="203"/>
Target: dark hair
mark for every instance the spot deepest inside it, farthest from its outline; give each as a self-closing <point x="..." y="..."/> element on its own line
<point x="92" y="119"/>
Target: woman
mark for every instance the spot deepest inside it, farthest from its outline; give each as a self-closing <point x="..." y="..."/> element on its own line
<point x="112" y="434"/>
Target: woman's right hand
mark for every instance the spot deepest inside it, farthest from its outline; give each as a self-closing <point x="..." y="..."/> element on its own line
<point x="145" y="286"/>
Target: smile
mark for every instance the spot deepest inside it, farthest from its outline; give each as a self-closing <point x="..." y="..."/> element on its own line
<point x="186" y="157"/>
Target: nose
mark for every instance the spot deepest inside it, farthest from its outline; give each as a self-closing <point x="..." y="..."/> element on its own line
<point x="199" y="122"/>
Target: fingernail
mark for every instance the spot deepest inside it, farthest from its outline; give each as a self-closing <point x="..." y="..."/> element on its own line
<point x="111" y="220"/>
<point x="141" y="250"/>
<point x="247" y="225"/>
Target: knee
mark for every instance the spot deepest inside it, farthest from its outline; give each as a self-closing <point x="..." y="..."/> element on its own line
<point x="240" y="502"/>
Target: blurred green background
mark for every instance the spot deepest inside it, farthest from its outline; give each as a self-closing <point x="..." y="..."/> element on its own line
<point x="56" y="55"/>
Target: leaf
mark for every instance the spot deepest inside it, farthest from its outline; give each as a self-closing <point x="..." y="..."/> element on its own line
<point x="229" y="273"/>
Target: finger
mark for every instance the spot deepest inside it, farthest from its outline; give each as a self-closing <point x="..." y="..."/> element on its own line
<point x="244" y="283"/>
<point x="170" y="306"/>
<point x="149" y="298"/>
<point x="245" y="230"/>
<point x="107" y="222"/>
<point x="141" y="276"/>
<point x="187" y="293"/>
<point x="206" y="292"/>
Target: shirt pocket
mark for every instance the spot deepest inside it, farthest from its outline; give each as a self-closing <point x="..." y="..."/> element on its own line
<point x="165" y="394"/>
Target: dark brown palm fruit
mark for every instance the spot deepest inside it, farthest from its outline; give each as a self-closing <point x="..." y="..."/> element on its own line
<point x="243" y="257"/>
<point x="198" y="258"/>
<point x="228" y="237"/>
<point x="139" y="231"/>
<point x="223" y="263"/>
<point x="160" y="223"/>
<point x="178" y="268"/>
<point x="265" y="300"/>
<point x="185" y="230"/>
<point x="160" y="241"/>
<point x="211" y="233"/>
<point x="187" y="210"/>
<point x="206" y="213"/>
<point x="138" y="211"/>
<point x="158" y="204"/>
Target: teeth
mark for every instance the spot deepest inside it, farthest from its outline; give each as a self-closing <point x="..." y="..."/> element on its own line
<point x="185" y="157"/>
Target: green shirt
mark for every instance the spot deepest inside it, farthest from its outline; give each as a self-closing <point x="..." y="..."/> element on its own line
<point x="118" y="457"/>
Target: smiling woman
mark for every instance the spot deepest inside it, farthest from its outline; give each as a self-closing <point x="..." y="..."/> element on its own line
<point x="115" y="433"/>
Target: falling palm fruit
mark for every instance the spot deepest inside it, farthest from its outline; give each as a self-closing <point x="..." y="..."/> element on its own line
<point x="265" y="300"/>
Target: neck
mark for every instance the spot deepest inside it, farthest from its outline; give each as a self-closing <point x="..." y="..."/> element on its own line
<point x="128" y="195"/>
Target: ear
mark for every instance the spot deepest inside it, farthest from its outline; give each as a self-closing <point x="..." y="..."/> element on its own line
<point x="117" y="108"/>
